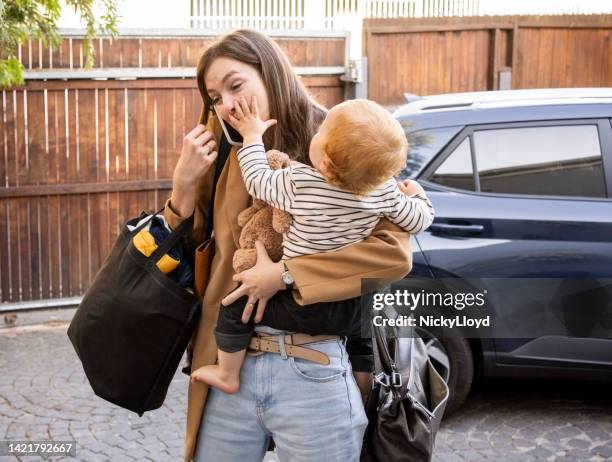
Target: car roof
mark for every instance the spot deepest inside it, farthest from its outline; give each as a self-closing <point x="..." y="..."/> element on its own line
<point x="505" y="106"/>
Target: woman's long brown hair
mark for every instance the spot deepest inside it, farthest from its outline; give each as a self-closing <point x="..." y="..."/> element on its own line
<point x="297" y="112"/>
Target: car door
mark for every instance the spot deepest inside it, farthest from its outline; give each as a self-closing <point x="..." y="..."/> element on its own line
<point x="529" y="200"/>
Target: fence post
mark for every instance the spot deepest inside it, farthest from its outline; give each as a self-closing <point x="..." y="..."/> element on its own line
<point x="356" y="79"/>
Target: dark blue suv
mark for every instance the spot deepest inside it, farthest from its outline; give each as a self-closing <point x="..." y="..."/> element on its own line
<point x="521" y="181"/>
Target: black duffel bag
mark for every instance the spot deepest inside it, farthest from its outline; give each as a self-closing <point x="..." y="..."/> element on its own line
<point x="407" y="401"/>
<point x="134" y="323"/>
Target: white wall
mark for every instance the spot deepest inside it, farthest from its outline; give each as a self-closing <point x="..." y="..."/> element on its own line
<point x="155" y="14"/>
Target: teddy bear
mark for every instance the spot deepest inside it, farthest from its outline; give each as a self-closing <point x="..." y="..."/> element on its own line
<point x="262" y="222"/>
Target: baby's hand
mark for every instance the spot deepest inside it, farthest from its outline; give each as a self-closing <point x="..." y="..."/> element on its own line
<point x="409" y="187"/>
<point x="246" y="119"/>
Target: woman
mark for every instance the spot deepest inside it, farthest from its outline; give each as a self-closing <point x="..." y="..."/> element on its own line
<point x="313" y="411"/>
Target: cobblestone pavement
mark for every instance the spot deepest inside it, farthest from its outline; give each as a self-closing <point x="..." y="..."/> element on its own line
<point x="45" y="395"/>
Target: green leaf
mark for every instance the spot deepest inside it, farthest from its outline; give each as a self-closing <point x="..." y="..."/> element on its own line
<point x="11" y="73"/>
<point x="37" y="19"/>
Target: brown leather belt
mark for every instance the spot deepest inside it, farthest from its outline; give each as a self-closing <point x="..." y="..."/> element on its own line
<point x="264" y="343"/>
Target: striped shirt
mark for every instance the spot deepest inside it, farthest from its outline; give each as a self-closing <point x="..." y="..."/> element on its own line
<point x="326" y="217"/>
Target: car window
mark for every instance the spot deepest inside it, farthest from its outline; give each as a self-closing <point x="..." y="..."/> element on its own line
<point x="423" y="145"/>
<point x="456" y="171"/>
<point x="562" y="160"/>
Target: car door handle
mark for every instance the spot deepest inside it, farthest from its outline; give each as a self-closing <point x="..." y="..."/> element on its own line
<point x="457" y="230"/>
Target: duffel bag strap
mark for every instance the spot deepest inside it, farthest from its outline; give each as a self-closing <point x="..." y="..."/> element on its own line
<point x="172" y="239"/>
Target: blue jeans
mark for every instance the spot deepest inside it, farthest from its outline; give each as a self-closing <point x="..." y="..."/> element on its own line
<point x="313" y="412"/>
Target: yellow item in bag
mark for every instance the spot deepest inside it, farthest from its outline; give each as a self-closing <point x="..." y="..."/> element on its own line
<point x="145" y="242"/>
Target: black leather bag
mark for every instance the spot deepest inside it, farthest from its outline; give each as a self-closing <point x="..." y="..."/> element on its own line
<point x="406" y="404"/>
<point x="134" y="322"/>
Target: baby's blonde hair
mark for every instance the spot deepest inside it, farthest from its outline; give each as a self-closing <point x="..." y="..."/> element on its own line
<point x="365" y="146"/>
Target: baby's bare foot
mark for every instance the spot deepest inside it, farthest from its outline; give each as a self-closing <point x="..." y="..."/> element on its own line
<point x="212" y="375"/>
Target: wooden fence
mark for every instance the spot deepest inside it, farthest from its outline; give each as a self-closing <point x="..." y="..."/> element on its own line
<point x="439" y="55"/>
<point x="79" y="157"/>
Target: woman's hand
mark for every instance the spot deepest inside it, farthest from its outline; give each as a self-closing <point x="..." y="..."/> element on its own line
<point x="197" y="156"/>
<point x="260" y="283"/>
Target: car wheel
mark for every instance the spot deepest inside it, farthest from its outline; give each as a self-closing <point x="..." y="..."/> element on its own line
<point x="452" y="358"/>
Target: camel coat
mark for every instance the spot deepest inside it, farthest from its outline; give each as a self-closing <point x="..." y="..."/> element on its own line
<point x="332" y="276"/>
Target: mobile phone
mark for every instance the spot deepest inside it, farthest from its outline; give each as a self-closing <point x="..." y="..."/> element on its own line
<point x="227" y="132"/>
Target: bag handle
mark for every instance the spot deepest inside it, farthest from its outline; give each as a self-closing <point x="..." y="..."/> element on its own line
<point x="386" y="362"/>
<point x="172" y="239"/>
<point x="390" y="375"/>
<point x="144" y="223"/>
<point x="383" y="356"/>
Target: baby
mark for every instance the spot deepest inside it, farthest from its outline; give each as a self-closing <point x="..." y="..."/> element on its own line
<point x="338" y="201"/>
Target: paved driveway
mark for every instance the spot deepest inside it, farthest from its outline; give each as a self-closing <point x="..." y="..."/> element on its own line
<point x="45" y="395"/>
